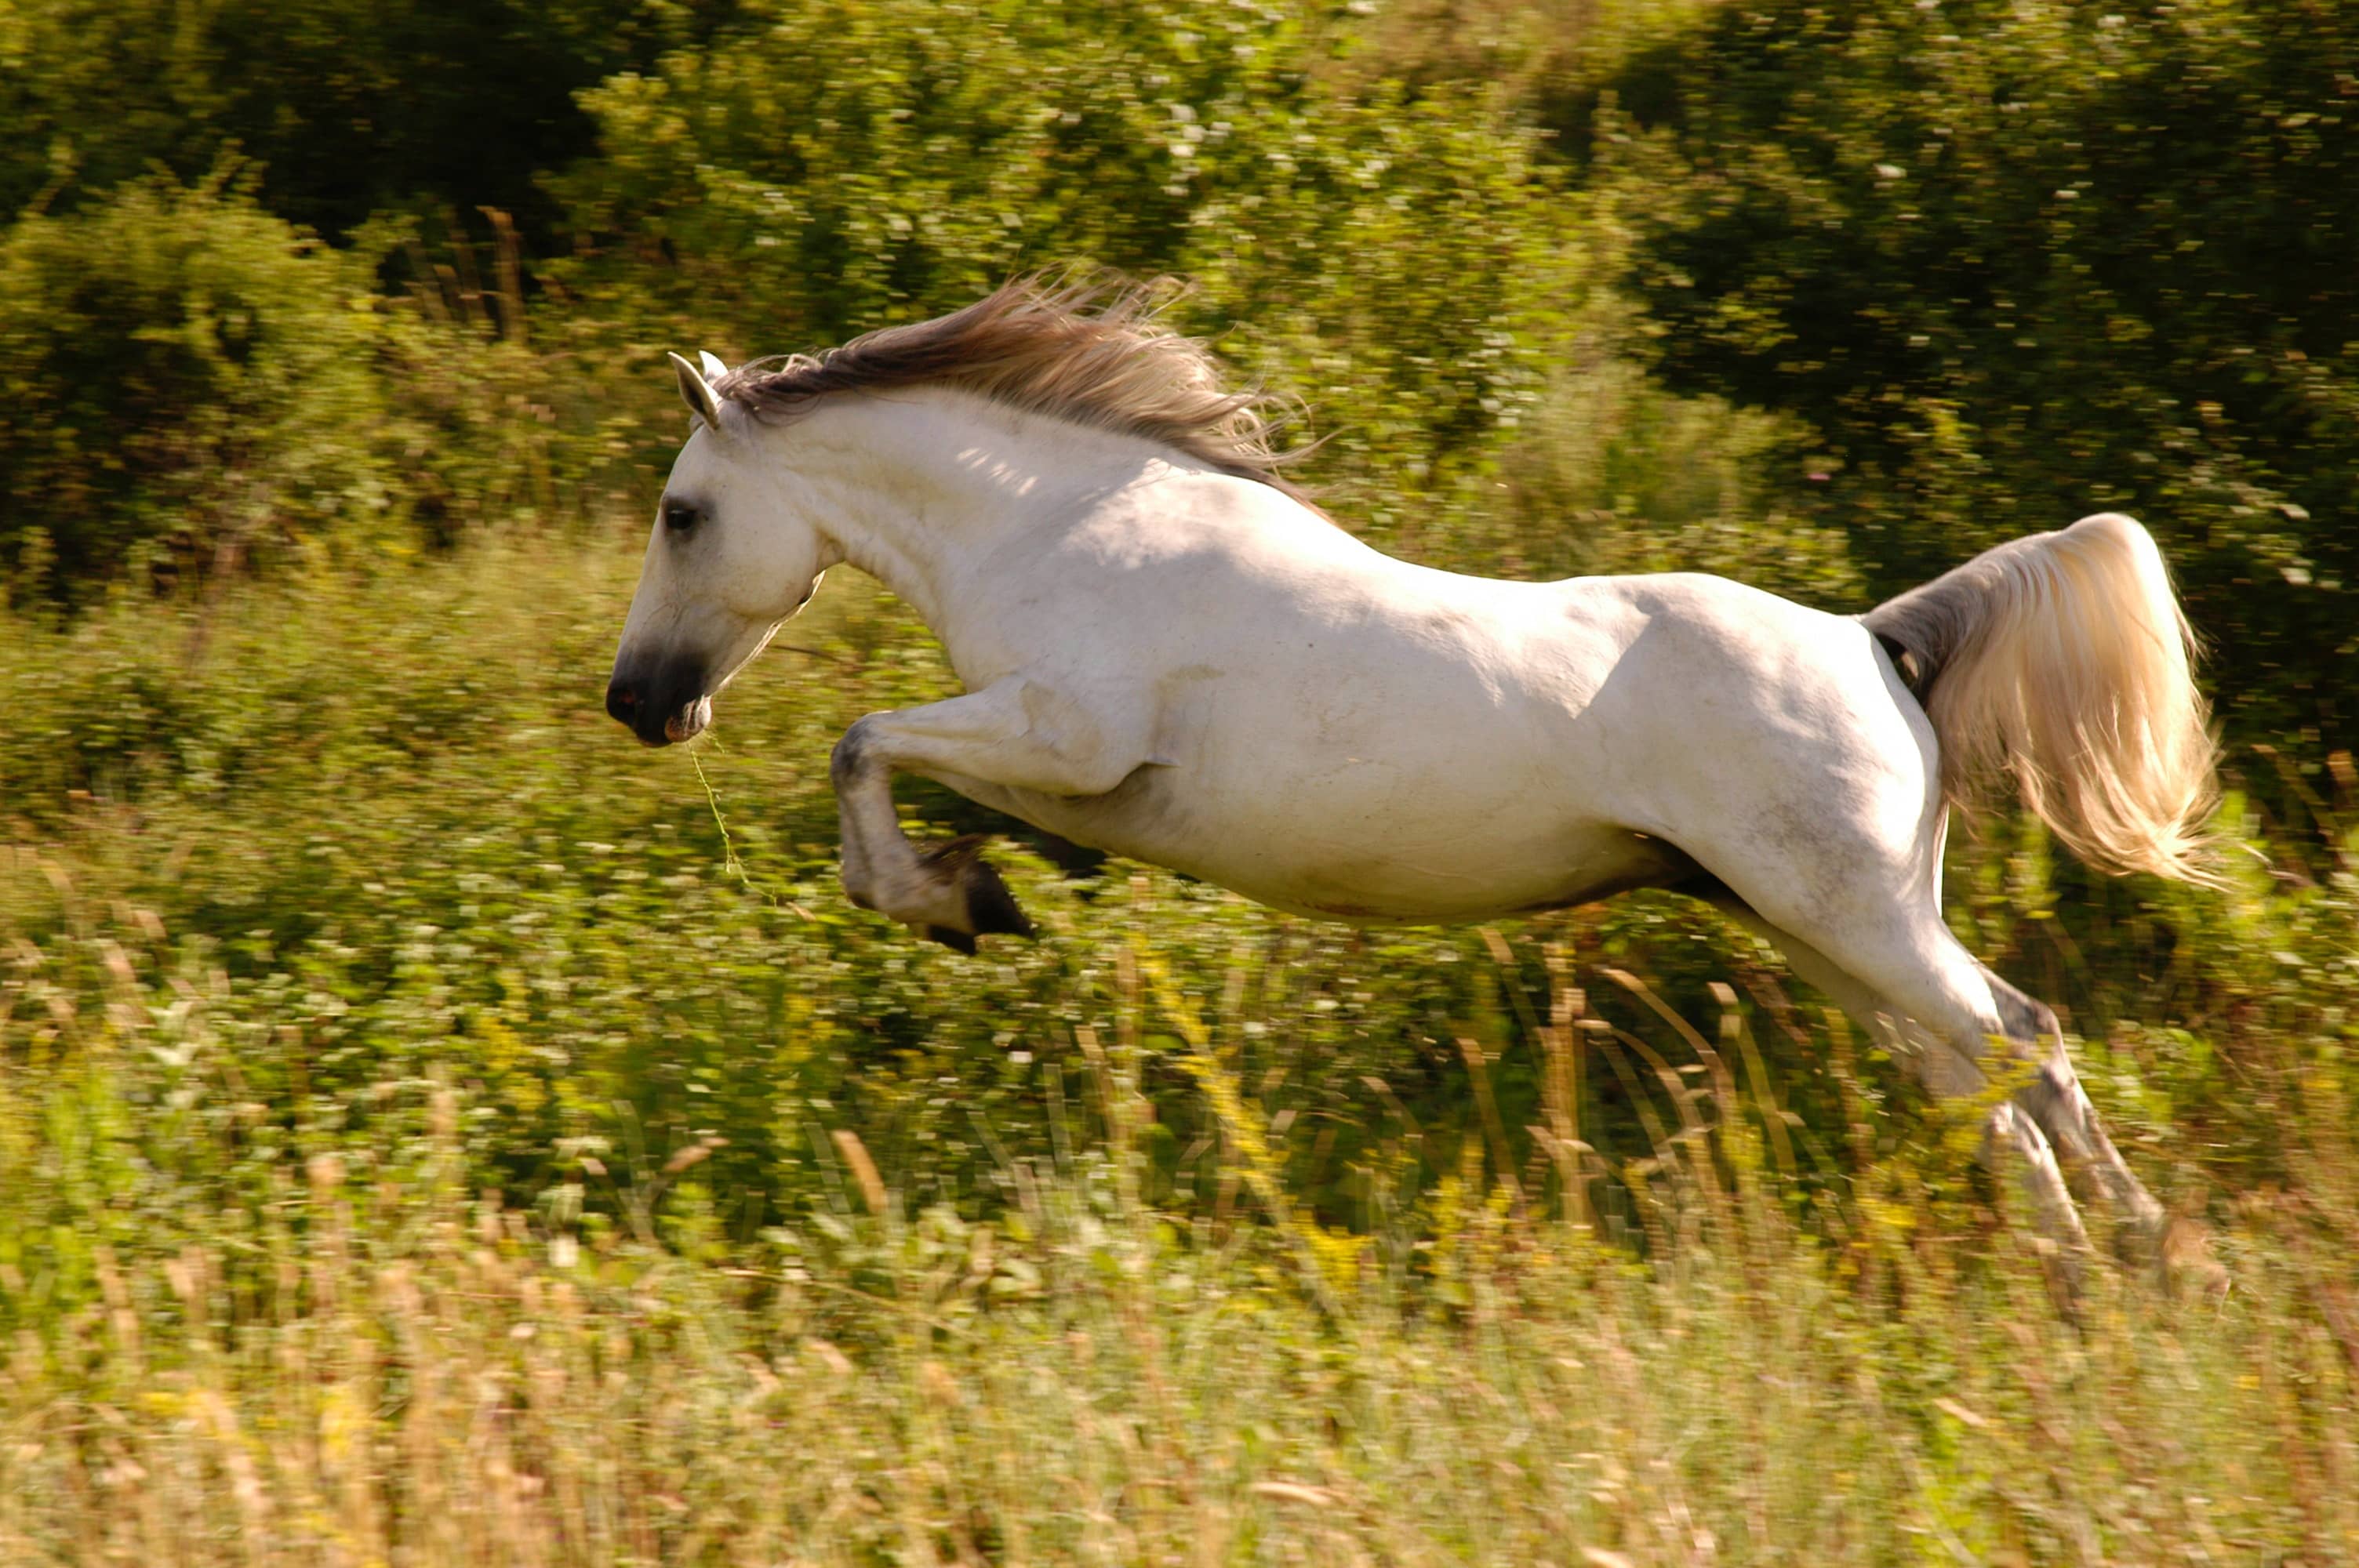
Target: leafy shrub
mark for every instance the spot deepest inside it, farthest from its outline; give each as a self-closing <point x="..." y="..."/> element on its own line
<point x="181" y="372"/>
<point x="845" y="166"/>
<point x="349" y="106"/>
<point x="2016" y="262"/>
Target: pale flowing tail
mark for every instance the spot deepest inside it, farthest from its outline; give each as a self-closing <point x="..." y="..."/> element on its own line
<point x="2063" y="660"/>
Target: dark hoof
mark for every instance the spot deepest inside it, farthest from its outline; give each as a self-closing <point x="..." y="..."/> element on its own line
<point x="956" y="941"/>
<point x="1076" y="861"/>
<point x="991" y="909"/>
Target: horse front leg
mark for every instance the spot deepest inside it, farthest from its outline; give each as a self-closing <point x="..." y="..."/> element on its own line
<point x="1018" y="733"/>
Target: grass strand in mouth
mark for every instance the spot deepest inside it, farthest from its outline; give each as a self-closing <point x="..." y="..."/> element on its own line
<point x="731" y="861"/>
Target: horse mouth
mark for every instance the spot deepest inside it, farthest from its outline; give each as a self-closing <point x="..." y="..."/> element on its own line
<point x="663" y="707"/>
<point x="689" y="721"/>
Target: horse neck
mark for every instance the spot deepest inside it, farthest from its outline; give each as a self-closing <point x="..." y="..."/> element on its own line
<point x="921" y="488"/>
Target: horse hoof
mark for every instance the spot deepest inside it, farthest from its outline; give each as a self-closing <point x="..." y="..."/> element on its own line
<point x="957" y="941"/>
<point x="990" y="907"/>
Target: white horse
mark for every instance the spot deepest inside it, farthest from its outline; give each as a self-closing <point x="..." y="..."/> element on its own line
<point x="1169" y="655"/>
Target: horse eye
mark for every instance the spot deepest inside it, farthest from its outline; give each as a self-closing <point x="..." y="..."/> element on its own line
<point x="679" y="519"/>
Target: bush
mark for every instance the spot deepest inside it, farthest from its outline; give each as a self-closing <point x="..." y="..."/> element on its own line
<point x="2019" y="263"/>
<point x="182" y="374"/>
<point x="349" y="107"/>
<point x="1389" y="257"/>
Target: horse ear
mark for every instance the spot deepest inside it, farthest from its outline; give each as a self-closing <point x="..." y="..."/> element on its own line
<point x="696" y="393"/>
<point x="713" y="369"/>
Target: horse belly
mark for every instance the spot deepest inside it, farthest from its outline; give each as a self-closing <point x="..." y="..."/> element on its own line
<point x="1447" y="883"/>
<point x="1356" y="855"/>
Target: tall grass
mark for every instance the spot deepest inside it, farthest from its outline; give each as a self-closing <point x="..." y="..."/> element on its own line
<point x="406" y="1371"/>
<point x="419" y="1146"/>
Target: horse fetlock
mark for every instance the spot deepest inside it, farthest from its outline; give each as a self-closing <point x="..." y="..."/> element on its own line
<point x="2061" y="1106"/>
<point x="947" y="893"/>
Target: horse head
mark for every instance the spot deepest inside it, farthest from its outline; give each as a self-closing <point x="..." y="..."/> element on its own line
<point x="732" y="555"/>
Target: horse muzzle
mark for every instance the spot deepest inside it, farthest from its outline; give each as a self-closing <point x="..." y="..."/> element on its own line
<point x="662" y="706"/>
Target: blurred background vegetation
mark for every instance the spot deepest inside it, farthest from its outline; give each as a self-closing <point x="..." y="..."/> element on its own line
<point x="423" y="1133"/>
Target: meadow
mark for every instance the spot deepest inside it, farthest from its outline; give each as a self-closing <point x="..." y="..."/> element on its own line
<point x="424" y="1143"/>
<point x="434" y="1129"/>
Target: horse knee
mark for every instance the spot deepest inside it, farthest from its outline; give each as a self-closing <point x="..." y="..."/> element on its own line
<point x="2053" y="1098"/>
<point x="848" y="760"/>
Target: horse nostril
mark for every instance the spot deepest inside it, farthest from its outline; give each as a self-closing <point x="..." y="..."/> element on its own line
<point x="622" y="701"/>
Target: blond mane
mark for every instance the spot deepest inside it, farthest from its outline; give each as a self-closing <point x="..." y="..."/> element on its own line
<point x="1092" y="352"/>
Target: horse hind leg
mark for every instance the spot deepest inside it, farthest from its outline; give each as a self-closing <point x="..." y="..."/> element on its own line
<point x="2055" y="1100"/>
<point x="1929" y="1058"/>
<point x="2012" y="1131"/>
<point x="1936" y="1008"/>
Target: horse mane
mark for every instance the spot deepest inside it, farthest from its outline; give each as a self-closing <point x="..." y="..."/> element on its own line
<point x="1092" y="352"/>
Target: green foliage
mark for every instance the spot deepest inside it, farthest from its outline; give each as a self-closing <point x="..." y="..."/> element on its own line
<point x="845" y="166"/>
<point x="351" y="106"/>
<point x="380" y="1364"/>
<point x="180" y="371"/>
<point x="191" y="381"/>
<point x="2012" y="264"/>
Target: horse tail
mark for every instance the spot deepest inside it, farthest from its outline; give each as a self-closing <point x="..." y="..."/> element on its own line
<point x="2064" y="660"/>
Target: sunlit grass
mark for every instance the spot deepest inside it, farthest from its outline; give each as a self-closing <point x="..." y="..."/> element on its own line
<point x="406" y="1371"/>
